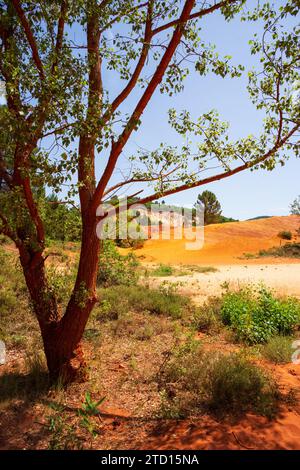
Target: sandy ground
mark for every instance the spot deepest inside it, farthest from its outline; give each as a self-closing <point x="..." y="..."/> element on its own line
<point x="283" y="278"/>
<point x="224" y="248"/>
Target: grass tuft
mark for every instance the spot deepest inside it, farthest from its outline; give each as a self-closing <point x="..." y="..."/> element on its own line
<point x="194" y="381"/>
<point x="278" y="350"/>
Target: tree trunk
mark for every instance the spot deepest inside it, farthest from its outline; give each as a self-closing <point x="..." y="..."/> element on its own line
<point x="62" y="336"/>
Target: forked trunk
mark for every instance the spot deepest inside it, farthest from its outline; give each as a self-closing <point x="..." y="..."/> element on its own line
<point x="62" y="336"/>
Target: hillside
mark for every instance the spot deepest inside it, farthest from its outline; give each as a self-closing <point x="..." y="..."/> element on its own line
<point x="224" y="243"/>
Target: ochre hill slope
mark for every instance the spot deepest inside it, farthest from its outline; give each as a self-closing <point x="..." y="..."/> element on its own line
<point x="224" y="243"/>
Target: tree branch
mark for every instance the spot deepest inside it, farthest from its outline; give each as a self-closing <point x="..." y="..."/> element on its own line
<point x="30" y="38"/>
<point x="139" y="180"/>
<point x="22" y="179"/>
<point x="6" y="230"/>
<point x="139" y="67"/>
<point x="117" y="147"/>
<point x="197" y="14"/>
<point x="123" y="13"/>
<point x="86" y="163"/>
<point x="60" y="33"/>
<point x="225" y="174"/>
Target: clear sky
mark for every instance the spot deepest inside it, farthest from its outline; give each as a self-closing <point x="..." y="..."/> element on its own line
<point x="247" y="194"/>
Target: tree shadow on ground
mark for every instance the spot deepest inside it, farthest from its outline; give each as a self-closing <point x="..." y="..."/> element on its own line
<point x="15" y="385"/>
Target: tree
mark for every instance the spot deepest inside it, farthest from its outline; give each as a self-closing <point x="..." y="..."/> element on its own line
<point x="295" y="206"/>
<point x="212" y="207"/>
<point x="62" y="220"/>
<point x="55" y="89"/>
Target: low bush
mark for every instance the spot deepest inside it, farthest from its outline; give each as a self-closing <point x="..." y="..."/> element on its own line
<point x="285" y="235"/>
<point x="115" y="269"/>
<point x="278" y="349"/>
<point x="289" y="250"/>
<point x="194" y="381"/>
<point x="163" y="270"/>
<point x="14" y="303"/>
<point x="119" y="300"/>
<point x="207" y="318"/>
<point x="256" y="315"/>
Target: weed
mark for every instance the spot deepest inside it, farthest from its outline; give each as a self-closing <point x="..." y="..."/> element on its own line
<point x="119" y="300"/>
<point x="289" y="250"/>
<point x="207" y="318"/>
<point x="278" y="350"/>
<point x="62" y="433"/>
<point x="194" y="380"/>
<point x="163" y="270"/>
<point x="88" y="409"/>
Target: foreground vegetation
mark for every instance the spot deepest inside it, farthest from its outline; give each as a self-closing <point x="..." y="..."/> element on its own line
<point x="143" y="342"/>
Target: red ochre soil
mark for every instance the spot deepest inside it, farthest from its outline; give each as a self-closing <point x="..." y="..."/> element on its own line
<point x="224" y="243"/>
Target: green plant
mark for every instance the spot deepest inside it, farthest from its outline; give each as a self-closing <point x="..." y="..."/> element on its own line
<point x="134" y="243"/>
<point x="233" y="384"/>
<point x="256" y="315"/>
<point x="193" y="380"/>
<point x="212" y="207"/>
<point x="115" y="269"/>
<point x="278" y="349"/>
<point x="163" y="270"/>
<point x="3" y="239"/>
<point x="89" y="406"/>
<point x="289" y="250"/>
<point x="295" y="206"/>
<point x="285" y="235"/>
<point x="14" y="302"/>
<point x="207" y="317"/>
<point x="62" y="433"/>
<point x="119" y="300"/>
<point x="88" y="409"/>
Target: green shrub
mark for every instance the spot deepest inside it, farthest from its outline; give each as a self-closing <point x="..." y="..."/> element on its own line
<point x="278" y="350"/>
<point x="207" y="318"/>
<point x="256" y="315"/>
<point x="194" y="380"/>
<point x="289" y="250"/>
<point x="14" y="303"/>
<point x="285" y="235"/>
<point x="115" y="269"/>
<point x="119" y="300"/>
<point x="233" y="384"/>
<point x="163" y="270"/>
